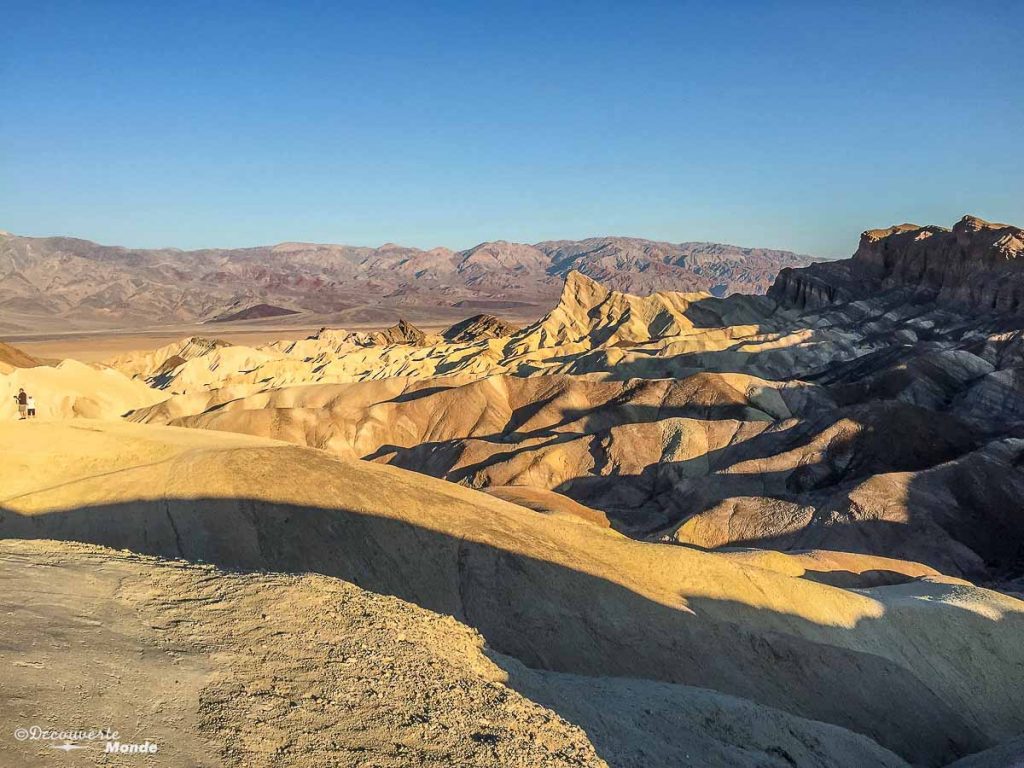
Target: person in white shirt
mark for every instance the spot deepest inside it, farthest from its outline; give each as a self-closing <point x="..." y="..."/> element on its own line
<point x="31" y="403"/>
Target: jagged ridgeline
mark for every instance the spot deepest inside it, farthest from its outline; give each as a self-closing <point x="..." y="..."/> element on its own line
<point x="778" y="529"/>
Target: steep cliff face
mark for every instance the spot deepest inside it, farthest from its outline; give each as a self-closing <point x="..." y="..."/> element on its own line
<point x="976" y="264"/>
<point x="819" y="285"/>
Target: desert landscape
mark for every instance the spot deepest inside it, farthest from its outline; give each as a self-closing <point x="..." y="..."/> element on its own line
<point x="512" y="385"/>
<point x="592" y="507"/>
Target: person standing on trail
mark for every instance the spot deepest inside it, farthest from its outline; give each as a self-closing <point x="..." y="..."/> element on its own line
<point x="22" y="399"/>
<point x="30" y="403"/>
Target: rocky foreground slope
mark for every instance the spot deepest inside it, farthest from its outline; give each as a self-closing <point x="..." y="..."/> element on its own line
<point x="655" y="655"/>
<point x="196" y="661"/>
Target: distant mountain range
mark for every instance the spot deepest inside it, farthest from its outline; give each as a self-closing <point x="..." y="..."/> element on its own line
<point x="63" y="283"/>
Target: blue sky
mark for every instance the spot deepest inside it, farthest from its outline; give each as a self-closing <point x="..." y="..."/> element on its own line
<point x="791" y="125"/>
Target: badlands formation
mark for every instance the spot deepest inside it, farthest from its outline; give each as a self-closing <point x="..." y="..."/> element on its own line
<point x="663" y="530"/>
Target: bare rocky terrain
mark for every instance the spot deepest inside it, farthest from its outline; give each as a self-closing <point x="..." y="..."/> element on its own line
<point x="60" y="283"/>
<point x="628" y="641"/>
<point x="643" y="530"/>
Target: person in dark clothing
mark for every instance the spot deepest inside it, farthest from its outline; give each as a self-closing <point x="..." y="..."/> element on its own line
<point x="22" y="399"/>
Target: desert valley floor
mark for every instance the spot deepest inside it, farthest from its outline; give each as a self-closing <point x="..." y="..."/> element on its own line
<point x="663" y="530"/>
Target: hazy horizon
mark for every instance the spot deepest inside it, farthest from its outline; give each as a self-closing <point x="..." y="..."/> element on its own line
<point x="133" y="247"/>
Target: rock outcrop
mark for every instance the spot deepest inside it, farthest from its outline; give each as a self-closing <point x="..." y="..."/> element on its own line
<point x="976" y="265"/>
<point x="478" y="328"/>
<point x="402" y="332"/>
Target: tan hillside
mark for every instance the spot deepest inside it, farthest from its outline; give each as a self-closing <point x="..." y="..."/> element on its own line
<point x="712" y="459"/>
<point x="590" y="330"/>
<point x="72" y="389"/>
<point x="12" y="357"/>
<point x="153" y="363"/>
<point x="477" y="328"/>
<point x="554" y="594"/>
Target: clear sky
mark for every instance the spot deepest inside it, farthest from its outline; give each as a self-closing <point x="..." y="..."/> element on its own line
<point x="792" y="125"/>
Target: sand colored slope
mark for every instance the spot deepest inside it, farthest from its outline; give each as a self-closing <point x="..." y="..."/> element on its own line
<point x="551" y="432"/>
<point x="549" y="503"/>
<point x="859" y="348"/>
<point x="12" y="357"/>
<point x="589" y="314"/>
<point x="152" y="363"/>
<point x="960" y="515"/>
<point x="930" y="669"/>
<point x="72" y="389"/>
<point x="841" y="569"/>
<point x="713" y="459"/>
<point x="590" y="331"/>
<point x="364" y="416"/>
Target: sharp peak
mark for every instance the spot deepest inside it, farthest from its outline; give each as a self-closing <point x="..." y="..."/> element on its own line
<point x="575" y="276"/>
<point x="577" y="283"/>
